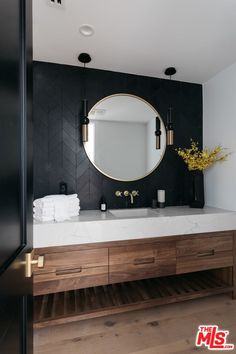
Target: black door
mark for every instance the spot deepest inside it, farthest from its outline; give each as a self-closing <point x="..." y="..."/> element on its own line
<point x="15" y="176"/>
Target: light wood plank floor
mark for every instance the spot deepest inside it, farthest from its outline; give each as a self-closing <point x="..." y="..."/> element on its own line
<point x="166" y="329"/>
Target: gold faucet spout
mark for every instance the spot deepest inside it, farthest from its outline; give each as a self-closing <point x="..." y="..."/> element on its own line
<point x="131" y="195"/>
<point x="131" y="198"/>
<point x="128" y="194"/>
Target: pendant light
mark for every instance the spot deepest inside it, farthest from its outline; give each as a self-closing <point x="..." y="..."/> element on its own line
<point x="84" y="58"/>
<point x="158" y="133"/>
<point x="169" y="126"/>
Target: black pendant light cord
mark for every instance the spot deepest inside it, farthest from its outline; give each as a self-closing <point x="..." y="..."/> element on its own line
<point x="169" y="126"/>
<point x="84" y="58"/>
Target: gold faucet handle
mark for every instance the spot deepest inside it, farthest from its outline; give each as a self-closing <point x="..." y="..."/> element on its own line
<point x="118" y="194"/>
<point x="135" y="193"/>
<point x="126" y="193"/>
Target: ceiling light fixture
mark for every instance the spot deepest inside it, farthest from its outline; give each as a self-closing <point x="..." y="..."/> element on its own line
<point x="169" y="127"/>
<point x="86" y="30"/>
<point x="85" y="58"/>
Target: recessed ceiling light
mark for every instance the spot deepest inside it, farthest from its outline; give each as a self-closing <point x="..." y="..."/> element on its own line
<point x="86" y="30"/>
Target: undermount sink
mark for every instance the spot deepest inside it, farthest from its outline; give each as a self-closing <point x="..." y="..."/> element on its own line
<point x="133" y="213"/>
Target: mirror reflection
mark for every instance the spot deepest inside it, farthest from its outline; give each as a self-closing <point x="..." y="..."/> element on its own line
<point x="122" y="141"/>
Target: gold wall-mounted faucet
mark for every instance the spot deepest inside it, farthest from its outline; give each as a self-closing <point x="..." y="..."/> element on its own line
<point x="131" y="195"/>
<point x="118" y="194"/>
<point x="128" y="194"/>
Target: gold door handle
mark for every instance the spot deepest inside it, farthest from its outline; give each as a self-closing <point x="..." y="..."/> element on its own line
<point x="29" y="261"/>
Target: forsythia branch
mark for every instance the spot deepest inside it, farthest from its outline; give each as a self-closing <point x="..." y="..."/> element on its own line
<point x="201" y="159"/>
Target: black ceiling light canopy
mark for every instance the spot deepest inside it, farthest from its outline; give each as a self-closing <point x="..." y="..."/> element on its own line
<point x="84" y="58"/>
<point x="169" y="126"/>
<point x="170" y="71"/>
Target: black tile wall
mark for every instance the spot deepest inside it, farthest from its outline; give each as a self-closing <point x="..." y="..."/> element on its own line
<point x="59" y="154"/>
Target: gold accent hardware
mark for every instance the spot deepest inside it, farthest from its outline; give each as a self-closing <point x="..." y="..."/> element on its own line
<point x="131" y="195"/>
<point x="29" y="261"/>
<point x="158" y="142"/>
<point x="85" y="133"/>
<point x="118" y="194"/>
<point x="170" y="137"/>
<point x="135" y="193"/>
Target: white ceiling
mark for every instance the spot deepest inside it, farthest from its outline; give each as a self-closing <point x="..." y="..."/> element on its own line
<point x="142" y="37"/>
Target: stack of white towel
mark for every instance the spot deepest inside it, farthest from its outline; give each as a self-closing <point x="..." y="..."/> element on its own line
<point x="58" y="207"/>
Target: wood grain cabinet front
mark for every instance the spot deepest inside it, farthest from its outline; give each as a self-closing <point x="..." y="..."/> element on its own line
<point x="71" y="270"/>
<point x="205" y="252"/>
<point x="128" y="263"/>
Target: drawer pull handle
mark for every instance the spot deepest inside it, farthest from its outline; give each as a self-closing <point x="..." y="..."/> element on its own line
<point x="149" y="260"/>
<point x="68" y="271"/>
<point x="205" y="254"/>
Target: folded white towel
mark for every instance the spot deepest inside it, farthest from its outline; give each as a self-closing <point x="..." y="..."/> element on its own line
<point x="74" y="212"/>
<point x="47" y="210"/>
<point x="61" y="208"/>
<point x="43" y="203"/>
<point x="57" y="207"/>
<point x="43" y="218"/>
<point x="74" y="205"/>
<point x="53" y="196"/>
<point x="74" y="208"/>
<point x="73" y="196"/>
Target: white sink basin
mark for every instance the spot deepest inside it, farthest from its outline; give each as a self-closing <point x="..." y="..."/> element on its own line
<point x="134" y="213"/>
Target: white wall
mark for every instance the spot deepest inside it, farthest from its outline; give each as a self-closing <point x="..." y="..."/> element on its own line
<point x="219" y="127"/>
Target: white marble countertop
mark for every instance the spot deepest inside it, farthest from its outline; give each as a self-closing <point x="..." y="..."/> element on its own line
<point x="94" y="226"/>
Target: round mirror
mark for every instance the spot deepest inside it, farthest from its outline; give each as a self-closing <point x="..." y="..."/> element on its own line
<point x="121" y="137"/>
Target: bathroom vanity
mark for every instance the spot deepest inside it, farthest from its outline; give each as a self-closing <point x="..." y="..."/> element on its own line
<point x="99" y="264"/>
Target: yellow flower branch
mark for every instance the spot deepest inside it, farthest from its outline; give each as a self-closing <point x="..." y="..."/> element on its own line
<point x="197" y="159"/>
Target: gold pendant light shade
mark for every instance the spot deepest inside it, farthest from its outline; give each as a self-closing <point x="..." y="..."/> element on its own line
<point x="85" y="133"/>
<point x="170" y="137"/>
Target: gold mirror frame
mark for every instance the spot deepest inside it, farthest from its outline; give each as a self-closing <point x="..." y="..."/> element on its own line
<point x="157" y="114"/>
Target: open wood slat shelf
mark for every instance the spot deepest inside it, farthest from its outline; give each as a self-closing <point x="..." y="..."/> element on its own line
<point x="74" y="305"/>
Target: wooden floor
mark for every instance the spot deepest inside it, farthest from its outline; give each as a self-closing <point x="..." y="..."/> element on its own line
<point x="165" y="329"/>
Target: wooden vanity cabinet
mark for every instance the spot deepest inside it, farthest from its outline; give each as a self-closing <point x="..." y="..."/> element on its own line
<point x="83" y="266"/>
<point x="87" y="281"/>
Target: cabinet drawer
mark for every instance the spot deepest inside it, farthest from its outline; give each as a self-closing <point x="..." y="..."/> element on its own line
<point x="54" y="262"/>
<point x="128" y="272"/>
<point x="141" y="261"/>
<point x="204" y="244"/>
<point x="70" y="279"/>
<point x="204" y="253"/>
<point x="71" y="270"/>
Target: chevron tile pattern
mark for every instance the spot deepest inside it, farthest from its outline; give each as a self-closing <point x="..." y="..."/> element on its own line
<point x="59" y="154"/>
